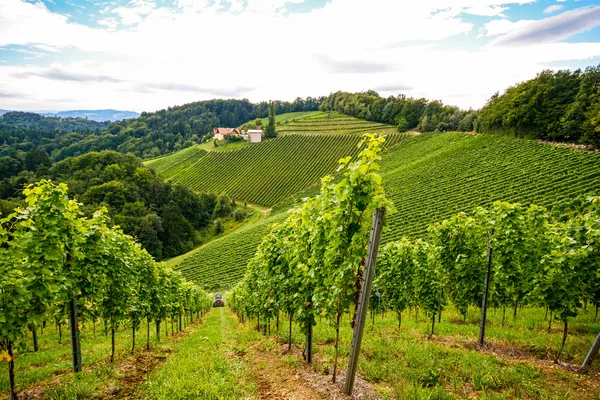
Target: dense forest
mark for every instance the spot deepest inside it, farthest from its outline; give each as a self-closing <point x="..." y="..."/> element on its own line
<point x="404" y="112"/>
<point x="150" y="135"/>
<point x="559" y="106"/>
<point x="165" y="131"/>
<point x="167" y="219"/>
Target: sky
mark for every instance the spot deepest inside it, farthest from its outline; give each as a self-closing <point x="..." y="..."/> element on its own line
<point x="145" y="55"/>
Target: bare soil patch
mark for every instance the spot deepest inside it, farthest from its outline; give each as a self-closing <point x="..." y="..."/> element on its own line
<point x="283" y="374"/>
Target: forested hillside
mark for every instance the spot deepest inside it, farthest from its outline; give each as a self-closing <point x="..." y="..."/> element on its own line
<point x="167" y="219"/>
<point x="164" y="218"/>
<point x="559" y="106"/>
<point x="175" y="128"/>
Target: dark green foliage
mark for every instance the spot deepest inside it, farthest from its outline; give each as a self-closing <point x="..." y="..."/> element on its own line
<point x="222" y="207"/>
<point x="402" y="125"/>
<point x="162" y="216"/>
<point x="35" y="158"/>
<point x="233" y="138"/>
<point x="240" y="214"/>
<point x="218" y="226"/>
<point x="404" y="112"/>
<point x="270" y="130"/>
<point x="559" y="106"/>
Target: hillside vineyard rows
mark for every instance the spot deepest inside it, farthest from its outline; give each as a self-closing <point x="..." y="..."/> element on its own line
<point x="429" y="178"/>
<point x="339" y="124"/>
<point x="269" y="172"/>
<point x="169" y="166"/>
<point x="213" y="267"/>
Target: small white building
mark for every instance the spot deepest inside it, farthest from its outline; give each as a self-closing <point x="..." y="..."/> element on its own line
<point x="254" y="135"/>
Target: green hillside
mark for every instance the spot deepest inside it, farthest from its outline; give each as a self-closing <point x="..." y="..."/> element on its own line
<point x="221" y="263"/>
<point x="171" y="165"/>
<point x="430" y="177"/>
<point x="264" y="173"/>
<point x="339" y="124"/>
<point x="286" y="117"/>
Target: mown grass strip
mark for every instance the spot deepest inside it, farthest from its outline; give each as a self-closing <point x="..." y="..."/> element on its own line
<point x="203" y="366"/>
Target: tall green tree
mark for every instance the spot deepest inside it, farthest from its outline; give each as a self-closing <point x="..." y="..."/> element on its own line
<point x="270" y="130"/>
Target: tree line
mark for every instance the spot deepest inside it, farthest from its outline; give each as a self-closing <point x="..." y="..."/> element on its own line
<point x="404" y="112"/>
<point x="150" y="135"/>
<point x="559" y="106"/>
<point x="57" y="265"/>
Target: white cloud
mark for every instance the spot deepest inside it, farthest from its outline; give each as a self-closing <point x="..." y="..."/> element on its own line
<point x="553" y="8"/>
<point x="162" y="57"/>
<point x="501" y="26"/>
<point x="110" y="23"/>
<point x="133" y="15"/>
<point x="486" y="11"/>
<point x="554" y="28"/>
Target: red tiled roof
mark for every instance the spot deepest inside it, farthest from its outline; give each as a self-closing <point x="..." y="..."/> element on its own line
<point x="225" y="131"/>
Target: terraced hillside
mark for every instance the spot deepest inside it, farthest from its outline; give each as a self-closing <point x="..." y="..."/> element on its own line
<point x="268" y="172"/>
<point x="430" y="177"/>
<point x="339" y="124"/>
<point x="171" y="165"/>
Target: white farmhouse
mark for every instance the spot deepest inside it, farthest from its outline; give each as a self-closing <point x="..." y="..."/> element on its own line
<point x="254" y="135"/>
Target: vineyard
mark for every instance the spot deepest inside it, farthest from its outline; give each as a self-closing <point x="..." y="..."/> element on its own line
<point x="215" y="269"/>
<point x="311" y="266"/>
<point x="269" y="172"/>
<point x="433" y="176"/>
<point x="338" y="124"/>
<point x="170" y="165"/>
<point x="59" y="268"/>
<point x="430" y="177"/>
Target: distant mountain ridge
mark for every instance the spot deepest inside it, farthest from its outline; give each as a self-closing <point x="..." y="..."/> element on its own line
<point x="94" y="115"/>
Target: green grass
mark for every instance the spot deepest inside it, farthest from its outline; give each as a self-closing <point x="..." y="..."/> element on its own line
<point x="51" y="366"/>
<point x="222" y="145"/>
<point x="405" y="363"/>
<point x="203" y="366"/>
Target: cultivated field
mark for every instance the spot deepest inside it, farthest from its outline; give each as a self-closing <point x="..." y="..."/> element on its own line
<point x="430" y="177"/>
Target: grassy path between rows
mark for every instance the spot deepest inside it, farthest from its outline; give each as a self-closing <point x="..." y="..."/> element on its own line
<point x="204" y="365"/>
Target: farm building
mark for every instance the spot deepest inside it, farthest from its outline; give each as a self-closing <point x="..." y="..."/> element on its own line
<point x="219" y="133"/>
<point x="254" y="135"/>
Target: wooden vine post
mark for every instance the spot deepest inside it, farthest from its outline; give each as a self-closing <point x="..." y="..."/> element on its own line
<point x="592" y="353"/>
<point x="75" y="337"/>
<point x="486" y="290"/>
<point x="363" y="301"/>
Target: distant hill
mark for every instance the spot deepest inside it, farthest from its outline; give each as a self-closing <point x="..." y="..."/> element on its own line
<point x="95" y="115"/>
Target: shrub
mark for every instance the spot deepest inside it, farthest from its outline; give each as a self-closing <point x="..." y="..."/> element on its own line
<point x="218" y="226"/>
<point x="240" y="214"/>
